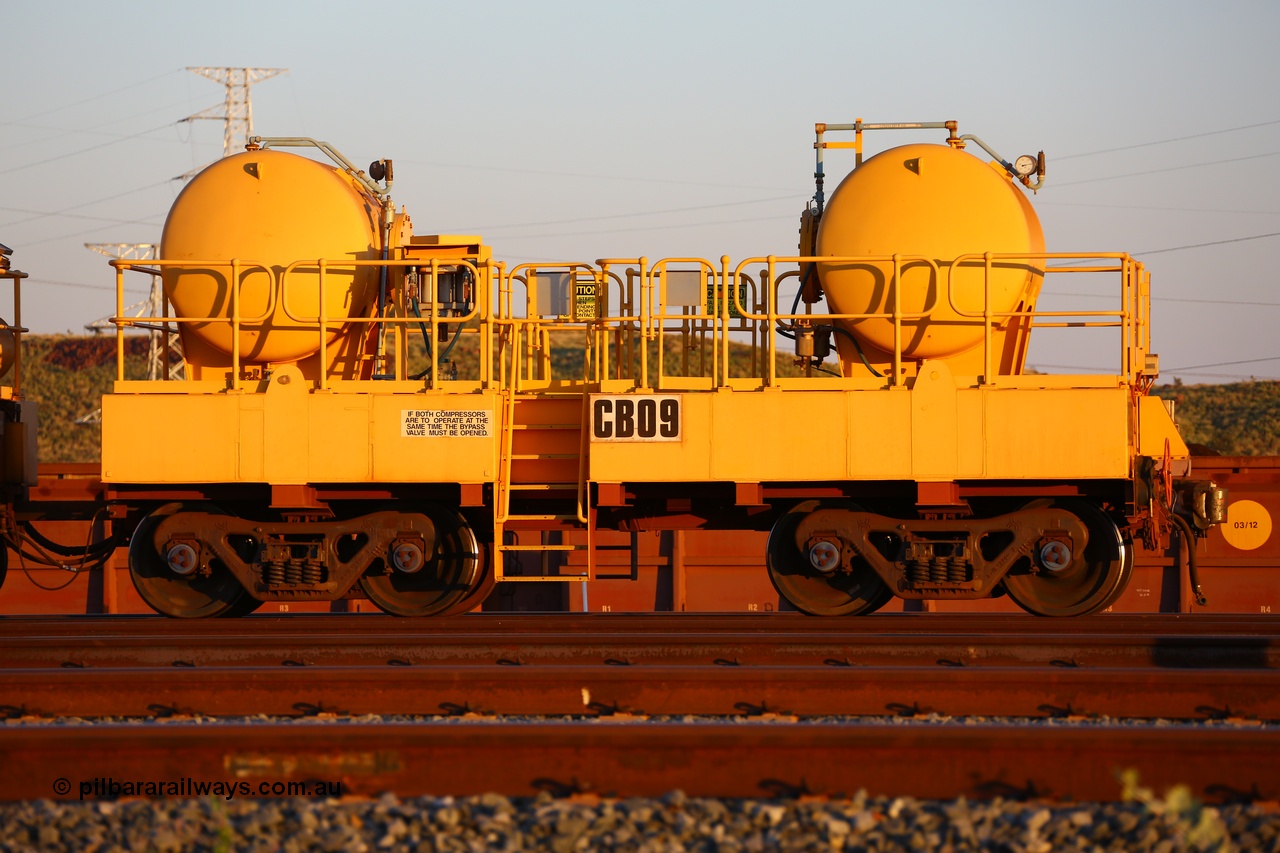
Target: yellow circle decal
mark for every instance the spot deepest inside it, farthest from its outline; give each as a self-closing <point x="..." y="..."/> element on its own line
<point x="1248" y="525"/>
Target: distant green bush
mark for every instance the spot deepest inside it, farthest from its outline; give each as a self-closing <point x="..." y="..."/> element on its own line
<point x="1240" y="419"/>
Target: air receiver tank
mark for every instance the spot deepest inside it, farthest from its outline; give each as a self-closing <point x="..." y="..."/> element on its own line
<point x="269" y="209"/>
<point x="929" y="203"/>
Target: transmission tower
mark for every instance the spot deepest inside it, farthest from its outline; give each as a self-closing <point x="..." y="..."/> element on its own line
<point x="152" y="306"/>
<point x="236" y="112"/>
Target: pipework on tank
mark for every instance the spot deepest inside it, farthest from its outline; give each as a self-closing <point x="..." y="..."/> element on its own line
<point x="1020" y="169"/>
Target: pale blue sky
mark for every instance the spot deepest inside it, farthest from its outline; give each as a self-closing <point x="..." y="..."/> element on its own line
<point x="578" y="130"/>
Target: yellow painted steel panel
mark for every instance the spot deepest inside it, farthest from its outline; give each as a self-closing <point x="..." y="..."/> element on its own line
<point x="292" y="438"/>
<point x="1068" y="434"/>
<point x="169" y="439"/>
<point x="775" y="435"/>
<point x="970" y="438"/>
<point x="932" y="432"/>
<point x="879" y="434"/>
<point x="339" y="439"/>
<point x="252" y="439"/>
<point x="286" y="451"/>
<point x="934" y="424"/>
<point x="1154" y="426"/>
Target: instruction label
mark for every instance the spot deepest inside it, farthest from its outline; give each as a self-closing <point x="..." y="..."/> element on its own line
<point x="438" y="423"/>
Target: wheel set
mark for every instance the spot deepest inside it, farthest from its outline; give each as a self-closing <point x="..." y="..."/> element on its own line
<point x="197" y="561"/>
<point x="1064" y="557"/>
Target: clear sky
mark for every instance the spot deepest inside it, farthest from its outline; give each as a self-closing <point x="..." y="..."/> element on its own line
<point x="579" y="130"/>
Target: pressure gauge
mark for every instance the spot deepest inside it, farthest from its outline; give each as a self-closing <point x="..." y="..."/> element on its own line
<point x="1025" y="166"/>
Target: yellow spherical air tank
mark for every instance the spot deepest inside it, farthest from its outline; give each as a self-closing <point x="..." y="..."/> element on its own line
<point x="931" y="204"/>
<point x="269" y="209"/>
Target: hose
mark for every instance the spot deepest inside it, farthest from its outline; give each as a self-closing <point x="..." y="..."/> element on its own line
<point x="94" y="548"/>
<point x="858" y="347"/>
<point x="787" y="331"/>
<point x="1189" y="537"/>
<point x="426" y="341"/>
<point x="46" y="552"/>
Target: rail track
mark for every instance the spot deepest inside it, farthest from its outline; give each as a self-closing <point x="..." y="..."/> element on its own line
<point x="766" y="685"/>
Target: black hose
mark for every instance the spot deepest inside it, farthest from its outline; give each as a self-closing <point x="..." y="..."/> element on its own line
<point x="1189" y="537"/>
<point x="107" y="545"/>
<point x="858" y="347"/>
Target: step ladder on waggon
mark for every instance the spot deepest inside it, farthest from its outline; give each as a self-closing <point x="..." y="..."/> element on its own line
<point x="541" y="505"/>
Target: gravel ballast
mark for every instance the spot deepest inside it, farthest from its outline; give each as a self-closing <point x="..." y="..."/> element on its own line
<point x="670" y="823"/>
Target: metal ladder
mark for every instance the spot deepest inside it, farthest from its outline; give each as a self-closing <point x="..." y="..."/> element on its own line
<point x="542" y="464"/>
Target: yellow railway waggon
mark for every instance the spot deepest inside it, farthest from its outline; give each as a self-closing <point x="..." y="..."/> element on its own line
<point x="364" y="411"/>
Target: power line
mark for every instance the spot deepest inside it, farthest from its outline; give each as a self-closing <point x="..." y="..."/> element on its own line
<point x="43" y="214"/>
<point x="1160" y="299"/>
<point x="85" y="150"/>
<point x="1179" y="248"/>
<point x="630" y="215"/>
<point x="49" y="282"/>
<point x="647" y="228"/>
<point x="1166" y="141"/>
<point x="597" y="177"/>
<point x="100" y="96"/>
<point x="1222" y="364"/>
<point x="1040" y="204"/>
<point x="1211" y="243"/>
<point x="83" y="204"/>
<point x="1168" y="169"/>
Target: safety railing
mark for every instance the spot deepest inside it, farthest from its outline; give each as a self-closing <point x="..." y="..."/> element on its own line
<point x="621" y="311"/>
<point x="280" y="285"/>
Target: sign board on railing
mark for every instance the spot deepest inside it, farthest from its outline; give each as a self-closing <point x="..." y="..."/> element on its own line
<point x="564" y="294"/>
<point x="694" y="288"/>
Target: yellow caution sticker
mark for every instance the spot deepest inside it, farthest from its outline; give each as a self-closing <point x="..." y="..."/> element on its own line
<point x="1248" y="525"/>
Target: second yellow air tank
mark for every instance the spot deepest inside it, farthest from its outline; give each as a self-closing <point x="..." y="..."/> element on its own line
<point x="931" y="204"/>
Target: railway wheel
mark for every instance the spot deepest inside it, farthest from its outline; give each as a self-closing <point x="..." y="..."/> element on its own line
<point x="172" y="587"/>
<point x="415" y="584"/>
<point x="1075" y="582"/>
<point x="806" y="577"/>
<point x="480" y="590"/>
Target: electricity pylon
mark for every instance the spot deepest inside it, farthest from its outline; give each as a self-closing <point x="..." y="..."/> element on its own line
<point x="236" y="112"/>
<point x="152" y="306"/>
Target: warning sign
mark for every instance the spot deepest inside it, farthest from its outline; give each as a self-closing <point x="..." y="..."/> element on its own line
<point x="419" y="423"/>
<point x="584" y="301"/>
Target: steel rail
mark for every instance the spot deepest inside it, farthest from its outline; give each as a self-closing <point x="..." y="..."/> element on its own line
<point x="1213" y="643"/>
<point x="618" y="759"/>
<point x="345" y="649"/>
<point x="650" y="690"/>
<point x="898" y="623"/>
